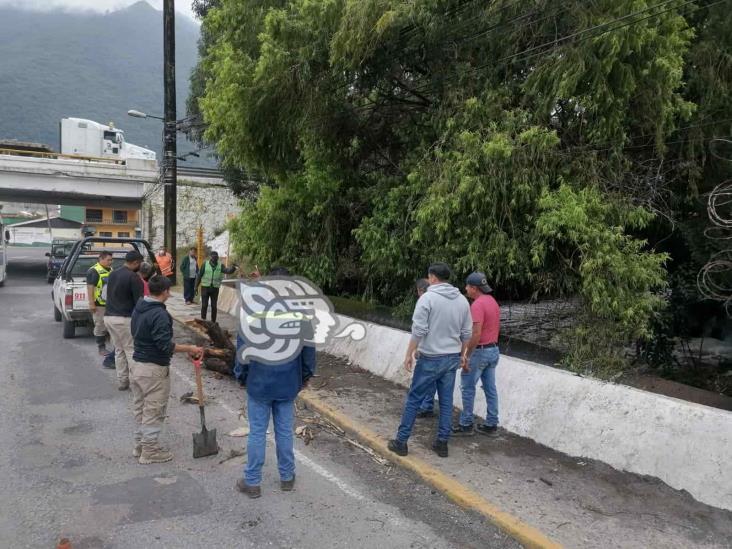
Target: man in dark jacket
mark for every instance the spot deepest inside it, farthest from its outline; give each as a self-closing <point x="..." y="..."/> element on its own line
<point x="152" y="330"/>
<point x="189" y="273"/>
<point x="272" y="389"/>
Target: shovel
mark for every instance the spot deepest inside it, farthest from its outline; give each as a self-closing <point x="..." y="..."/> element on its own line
<point x="204" y="443"/>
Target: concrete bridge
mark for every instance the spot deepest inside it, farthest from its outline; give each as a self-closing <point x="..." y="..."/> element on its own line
<point x="204" y="199"/>
<point x="55" y="179"/>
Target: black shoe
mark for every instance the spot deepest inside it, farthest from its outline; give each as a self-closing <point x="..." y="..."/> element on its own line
<point x="399" y="448"/>
<point x="440" y="448"/>
<point x="463" y="430"/>
<point x="109" y="361"/>
<point x="288" y="485"/>
<point x="489" y="430"/>
<point x="252" y="491"/>
<point x="425" y="413"/>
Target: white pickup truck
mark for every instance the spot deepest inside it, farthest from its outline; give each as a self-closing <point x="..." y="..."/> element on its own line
<point x="69" y="293"/>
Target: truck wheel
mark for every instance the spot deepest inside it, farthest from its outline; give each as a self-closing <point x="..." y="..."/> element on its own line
<point x="56" y="314"/>
<point x="69" y="329"/>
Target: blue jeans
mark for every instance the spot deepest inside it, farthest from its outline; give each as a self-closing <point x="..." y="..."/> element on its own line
<point x="428" y="404"/>
<point x="283" y="415"/>
<point x="430" y="371"/>
<point x="483" y="364"/>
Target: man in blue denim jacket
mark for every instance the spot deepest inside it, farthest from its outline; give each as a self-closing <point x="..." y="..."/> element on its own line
<point x="441" y="330"/>
<point x="272" y="389"/>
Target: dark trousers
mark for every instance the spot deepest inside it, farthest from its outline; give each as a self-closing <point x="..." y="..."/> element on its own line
<point x="206" y="293"/>
<point x="189" y="289"/>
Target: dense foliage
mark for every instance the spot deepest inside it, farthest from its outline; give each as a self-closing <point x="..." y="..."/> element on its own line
<point x="561" y="147"/>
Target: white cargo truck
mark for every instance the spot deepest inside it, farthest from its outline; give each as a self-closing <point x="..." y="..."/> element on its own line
<point x="80" y="137"/>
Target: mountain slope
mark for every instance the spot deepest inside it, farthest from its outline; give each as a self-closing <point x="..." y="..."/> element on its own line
<point x="58" y="64"/>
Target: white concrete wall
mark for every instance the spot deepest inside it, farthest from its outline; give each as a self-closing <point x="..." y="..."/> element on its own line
<point x="687" y="445"/>
<point x="208" y="203"/>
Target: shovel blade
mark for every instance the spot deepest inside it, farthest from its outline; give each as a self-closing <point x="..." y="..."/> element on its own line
<point x="204" y="443"/>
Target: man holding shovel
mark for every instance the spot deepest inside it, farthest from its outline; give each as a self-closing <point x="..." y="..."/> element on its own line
<point x="152" y="331"/>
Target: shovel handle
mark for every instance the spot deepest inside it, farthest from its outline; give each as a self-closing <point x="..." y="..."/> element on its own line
<point x="199" y="382"/>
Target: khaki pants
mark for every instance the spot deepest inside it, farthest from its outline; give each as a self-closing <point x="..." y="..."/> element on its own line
<point x="100" y="330"/>
<point x="121" y="335"/>
<point x="150" y="386"/>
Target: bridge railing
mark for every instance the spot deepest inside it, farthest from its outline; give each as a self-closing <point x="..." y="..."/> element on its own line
<point x="47" y="154"/>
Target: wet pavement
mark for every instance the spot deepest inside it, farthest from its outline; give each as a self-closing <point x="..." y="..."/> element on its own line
<point x="66" y="467"/>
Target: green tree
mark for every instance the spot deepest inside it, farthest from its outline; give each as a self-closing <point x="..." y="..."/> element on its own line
<point x="537" y="143"/>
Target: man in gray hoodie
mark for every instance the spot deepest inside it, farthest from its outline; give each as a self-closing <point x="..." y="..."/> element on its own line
<point x="441" y="330"/>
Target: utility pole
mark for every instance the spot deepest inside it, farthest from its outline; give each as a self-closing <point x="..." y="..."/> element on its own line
<point x="170" y="166"/>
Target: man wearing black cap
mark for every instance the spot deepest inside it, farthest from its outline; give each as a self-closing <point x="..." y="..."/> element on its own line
<point x="124" y="288"/>
<point x="482" y="357"/>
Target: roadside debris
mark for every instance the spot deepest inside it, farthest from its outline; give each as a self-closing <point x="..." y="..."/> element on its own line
<point x="219" y="355"/>
<point x="305" y="433"/>
<point x="231" y="455"/>
<point x="189" y="398"/>
<point x="240" y="432"/>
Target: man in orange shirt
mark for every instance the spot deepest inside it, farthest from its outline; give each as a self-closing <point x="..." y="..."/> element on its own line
<point x="165" y="262"/>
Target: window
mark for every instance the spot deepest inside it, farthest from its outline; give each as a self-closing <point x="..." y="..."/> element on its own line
<point x="93" y="216"/>
<point x="122" y="234"/>
<point x="105" y="233"/>
<point x="119" y="216"/>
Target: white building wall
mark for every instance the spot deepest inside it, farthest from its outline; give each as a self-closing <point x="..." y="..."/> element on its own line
<point x="38" y="235"/>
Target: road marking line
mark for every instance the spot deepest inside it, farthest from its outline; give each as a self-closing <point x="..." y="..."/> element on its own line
<point x="302" y="458"/>
<point x="463" y="496"/>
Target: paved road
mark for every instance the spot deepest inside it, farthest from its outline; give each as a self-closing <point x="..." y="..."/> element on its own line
<point x="66" y="466"/>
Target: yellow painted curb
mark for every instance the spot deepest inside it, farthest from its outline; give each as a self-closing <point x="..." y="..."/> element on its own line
<point x="463" y="496"/>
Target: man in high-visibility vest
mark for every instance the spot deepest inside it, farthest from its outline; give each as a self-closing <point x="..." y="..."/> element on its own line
<point x="209" y="278"/>
<point x="165" y="262"/>
<point x="96" y="291"/>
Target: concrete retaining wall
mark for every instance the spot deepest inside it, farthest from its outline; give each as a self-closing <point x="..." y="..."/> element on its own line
<point x="686" y="445"/>
<point x="209" y="204"/>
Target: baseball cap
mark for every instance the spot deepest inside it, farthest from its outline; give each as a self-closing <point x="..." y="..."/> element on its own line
<point x="478" y="279"/>
<point x="133" y="255"/>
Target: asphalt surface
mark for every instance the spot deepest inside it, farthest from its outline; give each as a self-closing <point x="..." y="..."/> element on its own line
<point x="66" y="467"/>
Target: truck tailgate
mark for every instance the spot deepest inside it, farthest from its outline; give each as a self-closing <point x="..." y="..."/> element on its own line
<point x="80" y="299"/>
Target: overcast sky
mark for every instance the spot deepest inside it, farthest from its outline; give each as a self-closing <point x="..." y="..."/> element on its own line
<point x="182" y="6"/>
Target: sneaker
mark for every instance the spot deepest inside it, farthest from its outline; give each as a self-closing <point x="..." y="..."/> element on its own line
<point x="137" y="451"/>
<point x="440" y="448"/>
<point x="156" y="455"/>
<point x="124" y="386"/>
<point x="287" y="485"/>
<point x="252" y="491"/>
<point x="425" y="413"/>
<point x="489" y="430"/>
<point x="463" y="430"/>
<point x="399" y="448"/>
